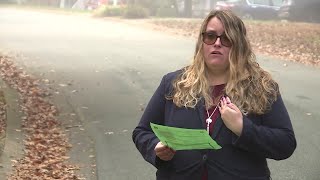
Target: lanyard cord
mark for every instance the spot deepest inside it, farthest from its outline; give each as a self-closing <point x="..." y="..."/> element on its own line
<point x="209" y="120"/>
<point x="209" y="117"/>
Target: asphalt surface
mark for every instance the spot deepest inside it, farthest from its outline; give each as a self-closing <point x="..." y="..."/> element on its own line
<point x="103" y="72"/>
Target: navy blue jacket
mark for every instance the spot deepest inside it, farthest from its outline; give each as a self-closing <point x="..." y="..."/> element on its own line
<point x="241" y="158"/>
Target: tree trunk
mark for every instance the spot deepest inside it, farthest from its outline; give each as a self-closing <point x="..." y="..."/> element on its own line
<point x="62" y="3"/>
<point x="175" y="4"/>
<point x="188" y="8"/>
<point x="115" y="2"/>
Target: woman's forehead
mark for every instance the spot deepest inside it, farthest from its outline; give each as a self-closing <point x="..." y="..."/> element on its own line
<point x="215" y="24"/>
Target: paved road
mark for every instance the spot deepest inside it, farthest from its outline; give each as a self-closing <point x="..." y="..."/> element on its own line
<point x="111" y="69"/>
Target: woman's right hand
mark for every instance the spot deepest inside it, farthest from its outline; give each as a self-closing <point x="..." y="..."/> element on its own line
<point x="164" y="152"/>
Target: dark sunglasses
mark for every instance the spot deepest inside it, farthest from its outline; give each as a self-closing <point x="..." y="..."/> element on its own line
<point x="210" y="38"/>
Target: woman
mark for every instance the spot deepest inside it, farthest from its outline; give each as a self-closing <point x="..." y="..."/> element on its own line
<point x="226" y="92"/>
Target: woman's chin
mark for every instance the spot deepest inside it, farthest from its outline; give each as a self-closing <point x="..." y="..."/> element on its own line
<point x="216" y="61"/>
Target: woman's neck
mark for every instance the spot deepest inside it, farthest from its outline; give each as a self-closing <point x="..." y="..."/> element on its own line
<point x="217" y="78"/>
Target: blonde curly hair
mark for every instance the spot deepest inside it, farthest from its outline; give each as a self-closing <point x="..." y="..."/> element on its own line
<point x="250" y="87"/>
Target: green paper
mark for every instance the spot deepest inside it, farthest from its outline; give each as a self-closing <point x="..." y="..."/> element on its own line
<point x="184" y="139"/>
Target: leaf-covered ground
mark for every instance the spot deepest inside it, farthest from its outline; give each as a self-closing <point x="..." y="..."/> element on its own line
<point x="290" y="41"/>
<point x="46" y="145"/>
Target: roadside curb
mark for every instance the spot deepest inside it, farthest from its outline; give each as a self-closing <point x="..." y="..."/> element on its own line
<point x="2" y="141"/>
<point x="11" y="140"/>
<point x="3" y="116"/>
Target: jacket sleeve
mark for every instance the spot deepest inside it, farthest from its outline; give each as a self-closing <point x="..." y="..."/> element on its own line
<point x="143" y="136"/>
<point x="273" y="139"/>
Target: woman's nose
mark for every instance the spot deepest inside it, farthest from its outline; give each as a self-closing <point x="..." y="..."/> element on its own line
<point x="218" y="42"/>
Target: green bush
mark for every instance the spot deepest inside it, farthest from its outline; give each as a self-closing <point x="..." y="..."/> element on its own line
<point x="153" y="7"/>
<point x="150" y="5"/>
<point x="104" y="11"/>
<point x="135" y="12"/>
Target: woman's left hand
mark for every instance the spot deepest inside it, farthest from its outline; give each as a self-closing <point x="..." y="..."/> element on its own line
<point x="231" y="115"/>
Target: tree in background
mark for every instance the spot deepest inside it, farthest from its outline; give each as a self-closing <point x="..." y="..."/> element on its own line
<point x="187" y="8"/>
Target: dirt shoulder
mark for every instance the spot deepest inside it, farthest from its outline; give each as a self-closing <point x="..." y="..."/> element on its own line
<point x="290" y="41"/>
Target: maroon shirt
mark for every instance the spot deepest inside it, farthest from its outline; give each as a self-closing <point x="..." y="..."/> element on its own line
<point x="217" y="92"/>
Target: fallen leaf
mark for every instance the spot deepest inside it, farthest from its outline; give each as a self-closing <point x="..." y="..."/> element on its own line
<point x="46" y="80"/>
<point x="46" y="145"/>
